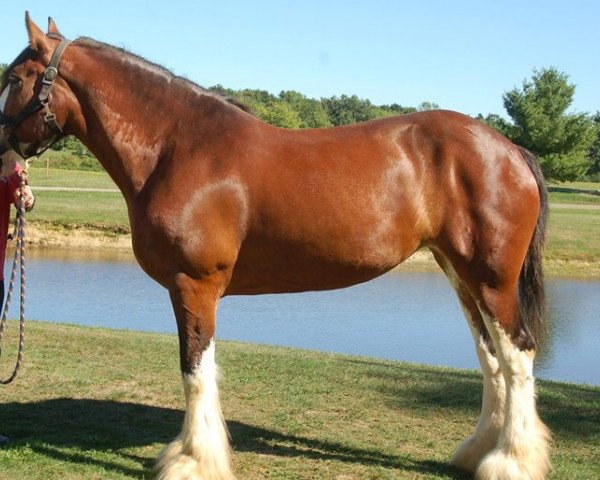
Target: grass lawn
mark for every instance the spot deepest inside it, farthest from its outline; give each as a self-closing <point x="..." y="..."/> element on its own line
<point x="100" y="404"/>
<point x="69" y="178"/>
<point x="573" y="234"/>
<point x="574" y="198"/>
<point x="101" y="209"/>
<point x="579" y="185"/>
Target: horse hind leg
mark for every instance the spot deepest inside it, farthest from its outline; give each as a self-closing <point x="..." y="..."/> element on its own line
<point x="522" y="449"/>
<point x="485" y="437"/>
<point x="490" y="297"/>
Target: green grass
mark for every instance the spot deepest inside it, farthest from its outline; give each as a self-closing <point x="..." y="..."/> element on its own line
<point x="574" y="198"/>
<point x="69" y="178"/>
<point x="573" y="234"/>
<point x="100" y="404"/>
<point x="579" y="185"/>
<point x="101" y="209"/>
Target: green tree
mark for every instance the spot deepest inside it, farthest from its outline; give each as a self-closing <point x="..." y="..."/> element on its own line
<point x="265" y="106"/>
<point x="311" y="112"/>
<point x="561" y="140"/>
<point x="345" y="110"/>
<point x="497" y="122"/>
<point x="594" y="170"/>
<point x="396" y="109"/>
<point x="292" y="109"/>
<point x="281" y="114"/>
<point x="427" y="105"/>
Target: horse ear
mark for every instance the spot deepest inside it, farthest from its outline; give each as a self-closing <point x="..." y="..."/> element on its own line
<point x="52" y="28"/>
<point x="37" y="38"/>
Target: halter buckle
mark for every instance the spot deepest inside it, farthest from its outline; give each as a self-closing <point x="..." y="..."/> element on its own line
<point x="50" y="75"/>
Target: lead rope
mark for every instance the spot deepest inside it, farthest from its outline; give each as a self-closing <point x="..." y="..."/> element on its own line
<point x="19" y="260"/>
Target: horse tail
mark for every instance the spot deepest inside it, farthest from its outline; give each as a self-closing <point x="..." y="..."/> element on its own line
<point x="532" y="299"/>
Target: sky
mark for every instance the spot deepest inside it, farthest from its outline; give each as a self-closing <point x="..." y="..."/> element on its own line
<point x="461" y="54"/>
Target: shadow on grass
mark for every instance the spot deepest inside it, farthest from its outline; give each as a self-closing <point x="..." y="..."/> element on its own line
<point x="75" y="431"/>
<point x="571" y="411"/>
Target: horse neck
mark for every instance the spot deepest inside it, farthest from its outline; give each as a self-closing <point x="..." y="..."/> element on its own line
<point x="132" y="114"/>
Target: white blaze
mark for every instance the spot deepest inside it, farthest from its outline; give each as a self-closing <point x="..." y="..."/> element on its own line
<point x="4" y="98"/>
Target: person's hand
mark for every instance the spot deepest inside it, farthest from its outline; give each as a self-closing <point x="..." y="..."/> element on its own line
<point x="29" y="198"/>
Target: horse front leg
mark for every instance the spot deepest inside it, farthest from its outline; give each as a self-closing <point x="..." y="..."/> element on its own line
<point x="201" y="451"/>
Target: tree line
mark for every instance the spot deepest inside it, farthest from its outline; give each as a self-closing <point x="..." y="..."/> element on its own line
<point x="567" y="144"/>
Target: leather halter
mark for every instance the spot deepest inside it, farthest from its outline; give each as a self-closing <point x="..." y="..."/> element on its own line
<point x="42" y="101"/>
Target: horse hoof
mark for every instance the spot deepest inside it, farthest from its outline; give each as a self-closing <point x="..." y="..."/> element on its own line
<point x="500" y="466"/>
<point x="175" y="464"/>
<point x="468" y="456"/>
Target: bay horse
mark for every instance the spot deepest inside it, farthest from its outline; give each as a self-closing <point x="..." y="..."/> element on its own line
<point x="221" y="203"/>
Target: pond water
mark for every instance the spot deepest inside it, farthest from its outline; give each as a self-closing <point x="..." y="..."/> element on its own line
<point x="410" y="316"/>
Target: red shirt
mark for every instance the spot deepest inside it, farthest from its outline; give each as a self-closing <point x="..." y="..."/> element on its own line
<point x="8" y="187"/>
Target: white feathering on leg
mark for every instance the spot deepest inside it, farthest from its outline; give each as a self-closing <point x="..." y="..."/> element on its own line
<point x="201" y="452"/>
<point x="484" y="439"/>
<point x="522" y="450"/>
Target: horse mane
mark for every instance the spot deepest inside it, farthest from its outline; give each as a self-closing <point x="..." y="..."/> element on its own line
<point x="161" y="71"/>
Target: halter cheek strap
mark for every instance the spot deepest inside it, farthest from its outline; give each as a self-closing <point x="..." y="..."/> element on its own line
<point x="50" y="75"/>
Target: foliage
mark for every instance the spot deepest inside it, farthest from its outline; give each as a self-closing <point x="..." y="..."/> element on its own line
<point x="292" y="109"/>
<point x="593" y="172"/>
<point x="561" y="140"/>
<point x="346" y="110"/>
<point x="73" y="155"/>
<point x="497" y="122"/>
<point x="311" y="112"/>
<point x="427" y="105"/>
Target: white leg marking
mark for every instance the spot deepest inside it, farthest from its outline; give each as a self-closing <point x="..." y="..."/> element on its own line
<point x="201" y="452"/>
<point x="484" y="439"/>
<point x="522" y="450"/>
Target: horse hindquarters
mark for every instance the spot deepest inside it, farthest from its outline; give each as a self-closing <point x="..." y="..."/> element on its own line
<point x="201" y="451"/>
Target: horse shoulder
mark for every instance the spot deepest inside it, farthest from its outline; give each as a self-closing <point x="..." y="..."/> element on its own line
<point x="196" y="227"/>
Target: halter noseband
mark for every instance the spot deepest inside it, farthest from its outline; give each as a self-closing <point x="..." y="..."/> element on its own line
<point x="42" y="101"/>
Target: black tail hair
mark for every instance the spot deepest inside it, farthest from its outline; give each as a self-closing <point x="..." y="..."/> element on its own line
<point x="532" y="298"/>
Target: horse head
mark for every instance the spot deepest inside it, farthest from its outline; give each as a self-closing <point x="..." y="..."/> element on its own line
<point x="34" y="106"/>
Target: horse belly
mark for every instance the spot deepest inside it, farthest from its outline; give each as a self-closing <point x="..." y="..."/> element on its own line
<point x="327" y="260"/>
<point x="278" y="273"/>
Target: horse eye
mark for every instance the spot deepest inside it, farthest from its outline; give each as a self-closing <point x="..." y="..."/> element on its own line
<point x="15" y="81"/>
